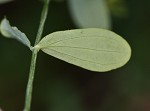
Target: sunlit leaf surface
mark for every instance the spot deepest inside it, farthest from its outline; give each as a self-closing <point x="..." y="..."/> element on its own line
<point x="93" y="49"/>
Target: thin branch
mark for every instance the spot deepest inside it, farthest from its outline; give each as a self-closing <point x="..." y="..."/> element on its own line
<point x="34" y="57"/>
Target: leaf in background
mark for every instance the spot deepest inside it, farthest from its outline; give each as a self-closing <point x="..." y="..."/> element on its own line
<point x="90" y="13"/>
<point x="118" y="8"/>
<point x="93" y="49"/>
<point x="5" y="1"/>
<point x="13" y="32"/>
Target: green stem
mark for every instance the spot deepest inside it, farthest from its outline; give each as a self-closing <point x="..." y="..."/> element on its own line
<point x="42" y="22"/>
<point x="30" y="82"/>
<point x="34" y="57"/>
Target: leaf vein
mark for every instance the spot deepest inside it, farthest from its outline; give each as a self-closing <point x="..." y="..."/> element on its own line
<point x="79" y="38"/>
<point x="78" y="58"/>
<point x="102" y="50"/>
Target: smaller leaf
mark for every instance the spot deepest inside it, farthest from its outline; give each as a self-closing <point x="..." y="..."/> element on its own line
<point x="92" y="48"/>
<point x="90" y="13"/>
<point x="12" y="32"/>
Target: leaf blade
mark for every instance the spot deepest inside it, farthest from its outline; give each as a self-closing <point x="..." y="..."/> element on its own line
<point x="12" y="32"/>
<point x="93" y="49"/>
<point x="90" y="13"/>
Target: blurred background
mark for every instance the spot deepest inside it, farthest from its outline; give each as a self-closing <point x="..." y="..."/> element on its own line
<point x="60" y="86"/>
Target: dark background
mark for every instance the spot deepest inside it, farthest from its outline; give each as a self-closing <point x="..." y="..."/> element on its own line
<point x="60" y="86"/>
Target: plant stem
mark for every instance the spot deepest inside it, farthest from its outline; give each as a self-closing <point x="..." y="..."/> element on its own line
<point x="34" y="57"/>
<point x="30" y="82"/>
<point x="42" y="22"/>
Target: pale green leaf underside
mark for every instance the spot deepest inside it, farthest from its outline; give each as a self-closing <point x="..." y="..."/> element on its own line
<point x="93" y="49"/>
<point x="12" y="32"/>
<point x="90" y="13"/>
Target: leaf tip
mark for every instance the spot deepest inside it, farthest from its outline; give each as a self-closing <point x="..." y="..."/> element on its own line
<point x="3" y="27"/>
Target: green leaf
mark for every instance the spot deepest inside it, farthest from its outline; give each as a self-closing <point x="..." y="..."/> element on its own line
<point x="13" y="32"/>
<point x="93" y="49"/>
<point x="90" y="13"/>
